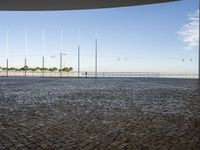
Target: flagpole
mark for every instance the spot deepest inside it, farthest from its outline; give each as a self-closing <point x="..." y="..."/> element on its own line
<point x="61" y="47"/>
<point x="7" y="47"/>
<point x="43" y="48"/>
<point x="96" y="44"/>
<point x="25" y="45"/>
<point x="79" y="54"/>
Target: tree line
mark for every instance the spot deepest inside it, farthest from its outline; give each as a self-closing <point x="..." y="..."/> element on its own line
<point x="54" y="69"/>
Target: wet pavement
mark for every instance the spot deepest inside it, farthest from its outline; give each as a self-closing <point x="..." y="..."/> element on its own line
<point x="99" y="114"/>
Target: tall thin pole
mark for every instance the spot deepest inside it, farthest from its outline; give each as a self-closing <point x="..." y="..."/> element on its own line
<point x="79" y="54"/>
<point x="7" y="42"/>
<point x="96" y="57"/>
<point x="7" y="67"/>
<point x="78" y="60"/>
<point x="43" y="32"/>
<point x="60" y="64"/>
<point x="25" y="45"/>
<point x="25" y="62"/>
<point x="61" y="47"/>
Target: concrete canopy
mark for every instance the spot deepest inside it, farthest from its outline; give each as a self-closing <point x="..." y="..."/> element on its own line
<point x="34" y="5"/>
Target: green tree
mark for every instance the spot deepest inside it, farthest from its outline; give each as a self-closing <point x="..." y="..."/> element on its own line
<point x="4" y="68"/>
<point x="53" y="69"/>
<point x="44" y="69"/>
<point x="12" y="69"/>
<point x="25" y="68"/>
<point x="66" y="69"/>
<point x="33" y="69"/>
<point x="37" y="68"/>
<point x="70" y="69"/>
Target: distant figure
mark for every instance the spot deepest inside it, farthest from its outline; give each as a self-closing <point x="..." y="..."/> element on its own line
<point x="86" y="74"/>
<point x="183" y="60"/>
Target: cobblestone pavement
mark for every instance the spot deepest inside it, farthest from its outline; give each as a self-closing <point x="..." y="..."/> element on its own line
<point x="99" y="114"/>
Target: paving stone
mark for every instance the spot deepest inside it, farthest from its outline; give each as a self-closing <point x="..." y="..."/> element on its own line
<point x="99" y="114"/>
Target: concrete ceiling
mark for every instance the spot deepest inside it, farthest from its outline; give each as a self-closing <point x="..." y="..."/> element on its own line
<point x="34" y="5"/>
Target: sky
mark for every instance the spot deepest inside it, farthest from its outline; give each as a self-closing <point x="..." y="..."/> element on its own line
<point x="151" y="38"/>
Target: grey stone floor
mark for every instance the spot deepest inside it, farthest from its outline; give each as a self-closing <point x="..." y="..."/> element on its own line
<point x="99" y="114"/>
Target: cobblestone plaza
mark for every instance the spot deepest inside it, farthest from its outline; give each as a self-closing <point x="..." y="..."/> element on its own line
<point x="99" y="114"/>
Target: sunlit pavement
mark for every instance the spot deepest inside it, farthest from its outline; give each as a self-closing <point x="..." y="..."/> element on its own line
<point x="103" y="113"/>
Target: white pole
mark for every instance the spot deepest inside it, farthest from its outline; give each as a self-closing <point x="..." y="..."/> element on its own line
<point x="43" y="48"/>
<point x="61" y="48"/>
<point x="7" y="47"/>
<point x="25" y="45"/>
<point x="96" y="57"/>
<point x="7" y="40"/>
<point x="78" y="53"/>
<point x="43" y="38"/>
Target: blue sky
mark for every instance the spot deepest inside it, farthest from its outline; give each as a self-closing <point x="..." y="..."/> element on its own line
<point x="131" y="39"/>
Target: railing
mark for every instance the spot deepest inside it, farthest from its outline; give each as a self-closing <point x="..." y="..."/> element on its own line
<point x="100" y="74"/>
<point x="37" y="74"/>
<point x="140" y="74"/>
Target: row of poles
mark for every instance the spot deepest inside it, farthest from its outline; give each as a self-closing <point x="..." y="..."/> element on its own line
<point x="43" y="49"/>
<point x="61" y="54"/>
